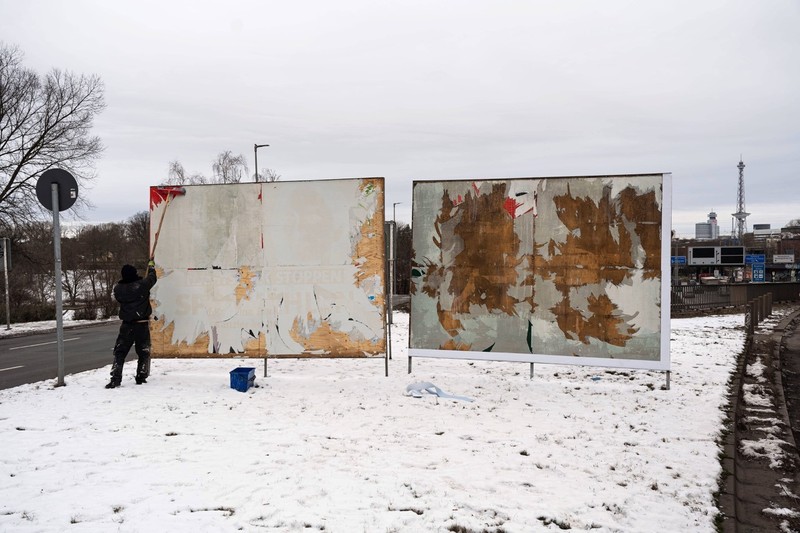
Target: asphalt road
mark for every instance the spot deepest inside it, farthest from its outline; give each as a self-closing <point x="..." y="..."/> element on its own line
<point x="34" y="357"/>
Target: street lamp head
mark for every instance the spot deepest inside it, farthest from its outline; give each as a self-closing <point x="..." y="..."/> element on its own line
<point x="255" y="153"/>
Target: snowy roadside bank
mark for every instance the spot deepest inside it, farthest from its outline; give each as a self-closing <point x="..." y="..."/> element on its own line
<point x="334" y="445"/>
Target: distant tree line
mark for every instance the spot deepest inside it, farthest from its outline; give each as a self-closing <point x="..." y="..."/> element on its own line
<point x="226" y="168"/>
<point x="91" y="258"/>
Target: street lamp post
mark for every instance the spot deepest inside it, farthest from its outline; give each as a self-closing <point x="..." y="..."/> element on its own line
<point x="255" y="152"/>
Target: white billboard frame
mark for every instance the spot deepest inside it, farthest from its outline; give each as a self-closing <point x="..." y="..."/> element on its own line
<point x="661" y="364"/>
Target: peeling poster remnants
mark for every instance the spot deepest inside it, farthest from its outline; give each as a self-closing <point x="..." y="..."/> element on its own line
<point x="293" y="269"/>
<point x="538" y="269"/>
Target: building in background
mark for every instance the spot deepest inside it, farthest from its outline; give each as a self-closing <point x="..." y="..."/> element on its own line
<point x="707" y="230"/>
<point x="763" y="235"/>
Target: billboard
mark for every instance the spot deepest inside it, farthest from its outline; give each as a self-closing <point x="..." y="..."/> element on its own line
<point x="281" y="269"/>
<point x="565" y="270"/>
<point x="717" y="255"/>
<point x="704" y="255"/>
<point x="731" y="255"/>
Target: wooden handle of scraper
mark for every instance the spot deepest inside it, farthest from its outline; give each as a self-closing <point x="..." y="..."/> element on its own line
<point x="160" y="222"/>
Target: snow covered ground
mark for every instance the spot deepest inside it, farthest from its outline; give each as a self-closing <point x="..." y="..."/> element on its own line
<point x="333" y="445"/>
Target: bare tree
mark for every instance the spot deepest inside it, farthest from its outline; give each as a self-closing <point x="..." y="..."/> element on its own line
<point x="137" y="232"/>
<point x="75" y="275"/>
<point x="33" y="264"/>
<point x="267" y="175"/>
<point x="106" y="249"/>
<point x="177" y="175"/>
<point x="226" y="168"/>
<point x="45" y="122"/>
<point x="229" y="168"/>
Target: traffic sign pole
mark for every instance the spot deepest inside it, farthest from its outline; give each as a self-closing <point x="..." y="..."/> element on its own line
<point x="6" y="264"/>
<point x="59" y="307"/>
<point x="57" y="190"/>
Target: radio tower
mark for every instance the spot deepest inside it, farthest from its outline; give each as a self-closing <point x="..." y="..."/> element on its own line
<point x="740" y="215"/>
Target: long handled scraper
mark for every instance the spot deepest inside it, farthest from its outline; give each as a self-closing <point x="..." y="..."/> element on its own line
<point x="169" y="193"/>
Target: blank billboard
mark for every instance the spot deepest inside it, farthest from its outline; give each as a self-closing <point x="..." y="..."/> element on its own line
<point x="282" y="269"/>
<point x="565" y="270"/>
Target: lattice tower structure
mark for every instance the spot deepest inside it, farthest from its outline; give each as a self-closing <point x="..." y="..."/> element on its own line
<point x="740" y="215"/>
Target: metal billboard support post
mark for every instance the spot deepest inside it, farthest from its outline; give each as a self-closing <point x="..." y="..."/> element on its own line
<point x="59" y="305"/>
<point x="388" y="354"/>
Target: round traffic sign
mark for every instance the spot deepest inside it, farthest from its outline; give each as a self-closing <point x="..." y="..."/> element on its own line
<point x="67" y="188"/>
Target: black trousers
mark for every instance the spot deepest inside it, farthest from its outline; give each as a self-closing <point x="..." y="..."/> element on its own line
<point x="130" y="334"/>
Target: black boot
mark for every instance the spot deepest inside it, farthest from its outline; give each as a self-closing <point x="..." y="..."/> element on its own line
<point x="116" y="376"/>
<point x="142" y="370"/>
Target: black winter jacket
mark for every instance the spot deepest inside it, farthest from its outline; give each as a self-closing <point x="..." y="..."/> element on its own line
<point x="134" y="297"/>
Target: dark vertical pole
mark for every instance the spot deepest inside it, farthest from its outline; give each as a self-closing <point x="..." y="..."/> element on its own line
<point x="255" y="153"/>
<point x="6" y="264"/>
<point x="388" y="354"/>
<point x="59" y="310"/>
<point x="391" y="250"/>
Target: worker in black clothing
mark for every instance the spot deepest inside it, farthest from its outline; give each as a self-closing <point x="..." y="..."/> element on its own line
<point x="133" y="294"/>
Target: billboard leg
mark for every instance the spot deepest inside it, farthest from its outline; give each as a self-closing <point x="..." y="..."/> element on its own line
<point x="409" y="364"/>
<point x="389" y="341"/>
<point x="531" y="370"/>
<point x="265" y="367"/>
<point x="388" y="348"/>
<point x="668" y="375"/>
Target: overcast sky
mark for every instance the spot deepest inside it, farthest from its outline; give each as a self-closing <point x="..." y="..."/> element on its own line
<point x="438" y="90"/>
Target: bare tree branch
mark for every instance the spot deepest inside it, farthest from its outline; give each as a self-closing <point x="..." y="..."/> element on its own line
<point x="45" y="122"/>
<point x="229" y="168"/>
<point x="268" y="175"/>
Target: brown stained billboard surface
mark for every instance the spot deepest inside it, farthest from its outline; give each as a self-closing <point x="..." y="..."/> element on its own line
<point x="554" y="266"/>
